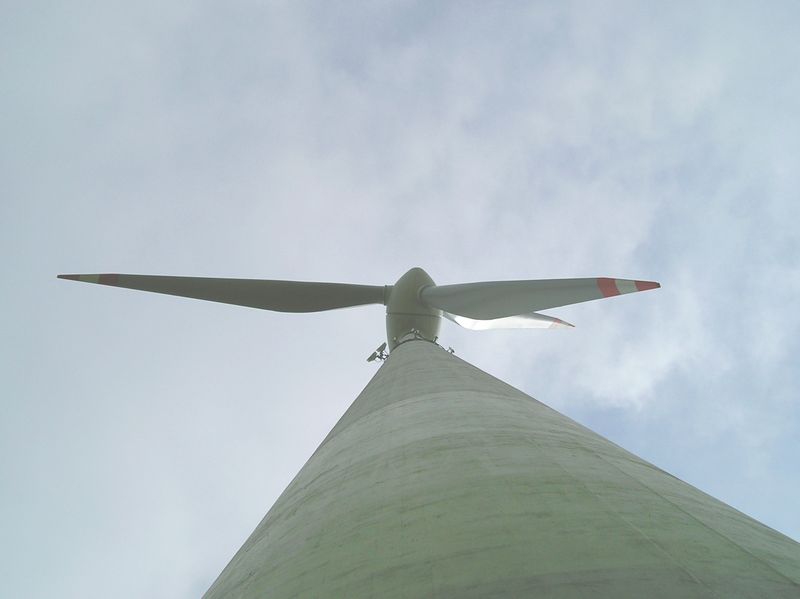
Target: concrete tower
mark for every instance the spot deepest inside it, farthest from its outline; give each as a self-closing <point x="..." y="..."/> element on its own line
<point x="442" y="481"/>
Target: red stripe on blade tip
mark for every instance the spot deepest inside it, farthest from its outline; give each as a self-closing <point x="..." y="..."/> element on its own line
<point x="608" y="287"/>
<point x="645" y="285"/>
<point x="108" y="279"/>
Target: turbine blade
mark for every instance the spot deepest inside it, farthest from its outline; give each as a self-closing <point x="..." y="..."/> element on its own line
<point x="281" y="296"/>
<point x="520" y="321"/>
<point x="498" y="299"/>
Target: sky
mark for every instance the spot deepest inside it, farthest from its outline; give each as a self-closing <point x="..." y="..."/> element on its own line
<point x="143" y="437"/>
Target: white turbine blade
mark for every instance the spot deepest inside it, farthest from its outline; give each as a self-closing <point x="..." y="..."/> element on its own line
<point x="281" y="296"/>
<point x="497" y="299"/>
<point x="520" y="321"/>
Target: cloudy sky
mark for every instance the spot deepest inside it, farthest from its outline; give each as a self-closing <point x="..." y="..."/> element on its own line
<point x="143" y="437"/>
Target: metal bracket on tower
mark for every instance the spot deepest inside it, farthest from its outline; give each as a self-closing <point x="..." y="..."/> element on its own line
<point x="379" y="354"/>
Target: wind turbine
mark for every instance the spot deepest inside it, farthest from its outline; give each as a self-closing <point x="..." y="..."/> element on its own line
<point x="442" y="481"/>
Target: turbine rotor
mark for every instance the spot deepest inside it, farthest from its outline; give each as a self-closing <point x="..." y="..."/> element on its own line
<point x="415" y="305"/>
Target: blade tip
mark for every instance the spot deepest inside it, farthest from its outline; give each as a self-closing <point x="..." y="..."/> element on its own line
<point x="647" y="285"/>
<point x="102" y="279"/>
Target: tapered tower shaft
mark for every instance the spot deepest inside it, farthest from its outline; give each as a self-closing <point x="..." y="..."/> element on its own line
<point x="442" y="481"/>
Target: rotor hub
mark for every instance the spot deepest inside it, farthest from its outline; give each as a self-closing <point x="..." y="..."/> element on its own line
<point x="406" y="314"/>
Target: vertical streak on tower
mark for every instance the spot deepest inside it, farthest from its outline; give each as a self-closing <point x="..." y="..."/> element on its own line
<point x="442" y="481"/>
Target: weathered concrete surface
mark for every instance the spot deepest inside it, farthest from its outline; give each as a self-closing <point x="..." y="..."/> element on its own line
<point x="442" y="481"/>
